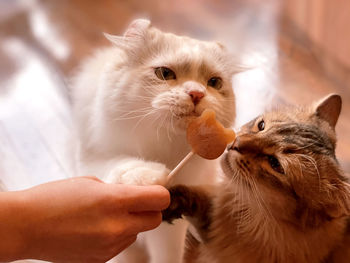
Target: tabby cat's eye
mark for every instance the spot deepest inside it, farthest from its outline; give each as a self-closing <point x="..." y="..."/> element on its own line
<point x="215" y="83"/>
<point x="261" y="125"/>
<point x="164" y="73"/>
<point x="275" y="164"/>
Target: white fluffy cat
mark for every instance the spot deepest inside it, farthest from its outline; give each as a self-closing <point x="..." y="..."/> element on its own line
<point x="132" y="104"/>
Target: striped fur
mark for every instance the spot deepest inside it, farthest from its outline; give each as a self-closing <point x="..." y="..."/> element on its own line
<point x="295" y="209"/>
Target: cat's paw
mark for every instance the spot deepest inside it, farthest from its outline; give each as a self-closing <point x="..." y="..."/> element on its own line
<point x="139" y="173"/>
<point x="180" y="198"/>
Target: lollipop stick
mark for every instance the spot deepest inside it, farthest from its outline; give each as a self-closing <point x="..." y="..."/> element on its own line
<point x="180" y="165"/>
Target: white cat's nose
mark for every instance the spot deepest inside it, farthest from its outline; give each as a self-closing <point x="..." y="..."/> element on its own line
<point x="195" y="90"/>
<point x="196" y="96"/>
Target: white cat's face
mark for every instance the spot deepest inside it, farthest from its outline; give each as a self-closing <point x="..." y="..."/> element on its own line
<point x="172" y="79"/>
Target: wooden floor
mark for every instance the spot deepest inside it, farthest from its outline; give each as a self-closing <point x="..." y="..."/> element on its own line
<point x="42" y="42"/>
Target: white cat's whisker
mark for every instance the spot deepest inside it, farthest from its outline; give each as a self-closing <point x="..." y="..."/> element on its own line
<point x="129" y="118"/>
<point x="164" y="120"/>
<point x="157" y="117"/>
<point x="140" y="113"/>
<point x="135" y="110"/>
<point x="160" y="121"/>
<point x="127" y="113"/>
<point x="150" y="88"/>
<point x="226" y="100"/>
<point x="125" y="95"/>
<point x="167" y="126"/>
<point x="140" y="120"/>
<point x="221" y="116"/>
<point x="172" y="122"/>
<point x="150" y="91"/>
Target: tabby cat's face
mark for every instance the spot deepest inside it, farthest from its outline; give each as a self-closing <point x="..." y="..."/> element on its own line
<point x="276" y="150"/>
<point x="288" y="153"/>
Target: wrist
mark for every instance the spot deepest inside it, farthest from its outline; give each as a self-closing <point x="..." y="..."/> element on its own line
<point x="12" y="226"/>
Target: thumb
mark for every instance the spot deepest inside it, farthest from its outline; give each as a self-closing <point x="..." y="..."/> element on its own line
<point x="91" y="177"/>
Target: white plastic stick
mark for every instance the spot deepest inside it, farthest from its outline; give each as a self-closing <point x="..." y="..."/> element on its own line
<point x="180" y="165"/>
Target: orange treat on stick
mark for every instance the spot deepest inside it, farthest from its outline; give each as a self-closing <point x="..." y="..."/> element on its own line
<point x="208" y="137"/>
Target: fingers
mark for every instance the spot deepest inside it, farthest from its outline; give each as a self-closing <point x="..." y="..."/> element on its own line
<point x="91" y="177"/>
<point x="146" y="198"/>
<point x="126" y="242"/>
<point x="144" y="221"/>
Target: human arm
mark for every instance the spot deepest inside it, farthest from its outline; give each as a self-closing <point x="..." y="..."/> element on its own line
<point x="77" y="220"/>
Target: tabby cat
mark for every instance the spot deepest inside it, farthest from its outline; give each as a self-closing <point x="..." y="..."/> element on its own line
<point x="283" y="198"/>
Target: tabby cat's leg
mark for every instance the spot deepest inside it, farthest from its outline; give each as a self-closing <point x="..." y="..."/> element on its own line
<point x="195" y="203"/>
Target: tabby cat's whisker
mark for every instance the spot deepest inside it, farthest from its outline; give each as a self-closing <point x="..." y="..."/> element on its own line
<point x="313" y="162"/>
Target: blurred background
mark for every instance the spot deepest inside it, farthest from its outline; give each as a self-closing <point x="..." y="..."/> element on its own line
<point x="298" y="52"/>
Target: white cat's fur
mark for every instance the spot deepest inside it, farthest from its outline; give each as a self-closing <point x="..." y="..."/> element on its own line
<point x="131" y="124"/>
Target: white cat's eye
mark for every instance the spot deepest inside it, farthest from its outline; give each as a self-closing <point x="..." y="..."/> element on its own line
<point x="164" y="73"/>
<point x="215" y="83"/>
<point x="261" y="125"/>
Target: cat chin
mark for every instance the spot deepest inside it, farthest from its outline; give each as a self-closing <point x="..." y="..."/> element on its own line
<point x="180" y="124"/>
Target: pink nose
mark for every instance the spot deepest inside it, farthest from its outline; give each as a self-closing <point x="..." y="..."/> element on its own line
<point x="196" y="96"/>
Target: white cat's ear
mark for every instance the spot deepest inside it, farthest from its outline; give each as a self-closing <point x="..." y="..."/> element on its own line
<point x="137" y="28"/>
<point x="329" y="109"/>
<point x="116" y="40"/>
<point x="222" y="46"/>
<point x="135" y="31"/>
<point x="239" y="68"/>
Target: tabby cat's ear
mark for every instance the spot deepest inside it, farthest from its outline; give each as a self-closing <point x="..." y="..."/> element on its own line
<point x="135" y="31"/>
<point x="329" y="108"/>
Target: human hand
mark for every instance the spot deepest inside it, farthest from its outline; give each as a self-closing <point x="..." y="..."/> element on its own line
<point x="83" y="219"/>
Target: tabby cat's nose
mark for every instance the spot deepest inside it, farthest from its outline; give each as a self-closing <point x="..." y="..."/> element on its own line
<point x="196" y="96"/>
<point x="235" y="145"/>
<point x="246" y="144"/>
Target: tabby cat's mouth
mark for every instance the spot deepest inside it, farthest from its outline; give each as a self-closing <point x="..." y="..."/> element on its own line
<point x="234" y="162"/>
